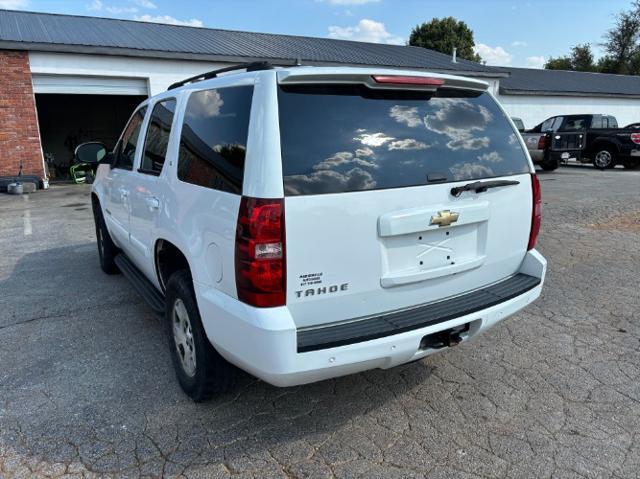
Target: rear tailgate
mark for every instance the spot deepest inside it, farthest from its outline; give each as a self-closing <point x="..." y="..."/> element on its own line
<point x="536" y="143"/>
<point x="371" y="223"/>
<point x="568" y="141"/>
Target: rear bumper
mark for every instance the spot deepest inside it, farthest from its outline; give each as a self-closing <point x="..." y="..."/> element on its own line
<point x="568" y="155"/>
<point x="265" y="342"/>
<point x="537" y="156"/>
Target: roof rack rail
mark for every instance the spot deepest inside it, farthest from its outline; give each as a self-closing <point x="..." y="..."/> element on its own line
<point x="250" y="67"/>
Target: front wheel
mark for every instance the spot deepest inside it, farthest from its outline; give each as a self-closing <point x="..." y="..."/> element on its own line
<point x="201" y="371"/>
<point x="604" y="158"/>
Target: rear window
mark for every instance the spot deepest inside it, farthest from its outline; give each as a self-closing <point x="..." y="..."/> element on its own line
<point x="577" y="123"/>
<point x="343" y="138"/>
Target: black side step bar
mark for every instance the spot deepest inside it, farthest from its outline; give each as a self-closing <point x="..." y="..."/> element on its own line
<point x="141" y="284"/>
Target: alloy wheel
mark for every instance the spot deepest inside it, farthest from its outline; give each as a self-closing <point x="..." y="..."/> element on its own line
<point x="603" y="159"/>
<point x="183" y="337"/>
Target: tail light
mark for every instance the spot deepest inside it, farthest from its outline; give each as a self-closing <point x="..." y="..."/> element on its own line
<point x="542" y="142"/>
<point x="635" y="137"/>
<point x="536" y="213"/>
<point x="260" y="252"/>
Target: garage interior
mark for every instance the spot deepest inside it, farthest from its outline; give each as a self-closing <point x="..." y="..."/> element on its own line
<point x="74" y="109"/>
<point x="67" y="120"/>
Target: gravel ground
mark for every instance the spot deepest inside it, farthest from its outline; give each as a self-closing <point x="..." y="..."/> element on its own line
<point x="87" y="387"/>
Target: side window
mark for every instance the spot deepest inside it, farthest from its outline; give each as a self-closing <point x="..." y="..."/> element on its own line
<point x="126" y="149"/>
<point x="157" y="140"/>
<point x="213" y="142"/>
<point x="557" y="121"/>
<point x="613" y="123"/>
<point x="574" y="124"/>
<point x="548" y="124"/>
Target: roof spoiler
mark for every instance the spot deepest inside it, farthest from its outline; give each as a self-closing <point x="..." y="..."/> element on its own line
<point x="380" y="79"/>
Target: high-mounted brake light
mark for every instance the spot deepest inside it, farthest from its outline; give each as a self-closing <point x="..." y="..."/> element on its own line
<point x="407" y="80"/>
<point x="635" y="137"/>
<point x="260" y="252"/>
<point x="536" y="213"/>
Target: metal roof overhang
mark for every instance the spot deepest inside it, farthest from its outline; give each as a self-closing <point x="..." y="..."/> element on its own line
<point x="174" y="55"/>
<point x="514" y="92"/>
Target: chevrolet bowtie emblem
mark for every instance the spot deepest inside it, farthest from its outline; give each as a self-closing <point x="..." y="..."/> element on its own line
<point x="444" y="218"/>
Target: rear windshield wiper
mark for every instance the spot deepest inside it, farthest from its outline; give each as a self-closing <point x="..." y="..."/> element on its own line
<point x="481" y="186"/>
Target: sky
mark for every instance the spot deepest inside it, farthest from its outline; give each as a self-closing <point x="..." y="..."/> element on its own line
<point x="507" y="32"/>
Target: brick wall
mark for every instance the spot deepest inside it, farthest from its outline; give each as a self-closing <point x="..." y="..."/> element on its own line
<point x="19" y="134"/>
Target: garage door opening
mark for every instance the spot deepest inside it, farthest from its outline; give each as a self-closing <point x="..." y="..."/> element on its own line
<point x="67" y="120"/>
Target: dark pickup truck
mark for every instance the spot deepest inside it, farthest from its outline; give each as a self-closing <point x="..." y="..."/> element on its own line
<point x="589" y="139"/>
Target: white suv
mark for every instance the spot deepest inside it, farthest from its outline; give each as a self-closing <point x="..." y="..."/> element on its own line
<point x="305" y="223"/>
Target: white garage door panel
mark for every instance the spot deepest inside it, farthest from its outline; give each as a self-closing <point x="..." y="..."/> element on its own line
<point x="89" y="85"/>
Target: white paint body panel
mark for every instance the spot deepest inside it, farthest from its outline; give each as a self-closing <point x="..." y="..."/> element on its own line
<point x="363" y="239"/>
<point x="338" y="236"/>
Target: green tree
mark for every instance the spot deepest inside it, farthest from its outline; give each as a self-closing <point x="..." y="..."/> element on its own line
<point x="442" y="35"/>
<point x="606" y="64"/>
<point x="560" y="63"/>
<point x="621" y="41"/>
<point x="580" y="60"/>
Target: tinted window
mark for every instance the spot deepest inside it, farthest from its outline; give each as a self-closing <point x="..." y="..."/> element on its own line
<point x="576" y="123"/>
<point x="351" y="138"/>
<point x="214" y="138"/>
<point x="157" y="139"/>
<point x="613" y="123"/>
<point x="547" y="125"/>
<point x="126" y="149"/>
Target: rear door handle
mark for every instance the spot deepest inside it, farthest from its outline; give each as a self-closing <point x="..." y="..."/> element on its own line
<point x="153" y="203"/>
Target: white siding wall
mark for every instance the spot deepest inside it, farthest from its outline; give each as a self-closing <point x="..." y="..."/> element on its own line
<point x="157" y="72"/>
<point x="536" y="109"/>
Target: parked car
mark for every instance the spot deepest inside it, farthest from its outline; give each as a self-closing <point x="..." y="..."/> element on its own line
<point x="589" y="139"/>
<point x="305" y="223"/>
<point x="537" y="143"/>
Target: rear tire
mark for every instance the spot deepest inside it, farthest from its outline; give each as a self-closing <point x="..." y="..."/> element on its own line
<point x="107" y="250"/>
<point x="201" y="371"/>
<point x="604" y="158"/>
<point x="549" y="165"/>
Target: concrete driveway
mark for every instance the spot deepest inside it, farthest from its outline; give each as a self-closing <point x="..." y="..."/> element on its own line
<point x="87" y="387"/>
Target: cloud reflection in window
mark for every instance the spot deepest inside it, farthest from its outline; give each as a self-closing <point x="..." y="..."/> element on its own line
<point x="373" y="139"/>
<point x="407" y="144"/>
<point x="329" y="181"/>
<point x="466" y="171"/>
<point x="459" y="120"/>
<point x="406" y="115"/>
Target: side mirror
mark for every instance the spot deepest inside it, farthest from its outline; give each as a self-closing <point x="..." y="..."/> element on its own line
<point x="92" y="153"/>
